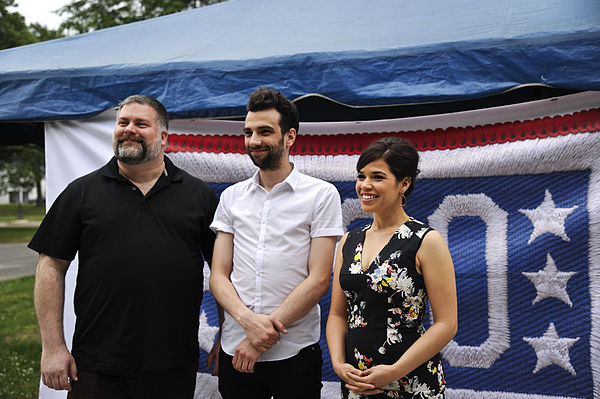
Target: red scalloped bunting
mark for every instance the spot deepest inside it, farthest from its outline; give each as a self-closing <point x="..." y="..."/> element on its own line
<point x="438" y="139"/>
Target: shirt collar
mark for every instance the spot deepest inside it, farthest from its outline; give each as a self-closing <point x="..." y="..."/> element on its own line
<point x="291" y="180"/>
<point x="171" y="172"/>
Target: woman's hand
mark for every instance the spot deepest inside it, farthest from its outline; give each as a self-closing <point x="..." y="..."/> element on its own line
<point x="376" y="377"/>
<point x="350" y="375"/>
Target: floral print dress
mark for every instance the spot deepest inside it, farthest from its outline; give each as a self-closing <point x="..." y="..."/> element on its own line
<point x="386" y="307"/>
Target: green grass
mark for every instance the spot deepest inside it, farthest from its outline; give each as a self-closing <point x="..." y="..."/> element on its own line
<point x="10" y="212"/>
<point x="20" y="346"/>
<point x="16" y="234"/>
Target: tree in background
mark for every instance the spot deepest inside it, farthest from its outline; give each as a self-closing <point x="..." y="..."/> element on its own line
<point x="15" y="32"/>
<point x="89" y="15"/>
<point x="13" y="29"/>
<point x="22" y="168"/>
<point x="43" y="33"/>
<point x="84" y="16"/>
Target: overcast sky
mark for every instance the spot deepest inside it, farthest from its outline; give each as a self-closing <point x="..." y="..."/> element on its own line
<point x="40" y="11"/>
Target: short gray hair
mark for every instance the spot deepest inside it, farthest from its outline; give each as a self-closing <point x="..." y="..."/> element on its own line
<point x="162" y="117"/>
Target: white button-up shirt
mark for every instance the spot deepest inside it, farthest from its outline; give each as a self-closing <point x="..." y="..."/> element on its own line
<point x="272" y="232"/>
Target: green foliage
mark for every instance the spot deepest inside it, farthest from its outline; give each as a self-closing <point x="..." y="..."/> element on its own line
<point x="15" y="32"/>
<point x="20" y="346"/>
<point x="21" y="166"/>
<point x="42" y="33"/>
<point x="85" y="16"/>
<point x="89" y="15"/>
<point x="13" y="29"/>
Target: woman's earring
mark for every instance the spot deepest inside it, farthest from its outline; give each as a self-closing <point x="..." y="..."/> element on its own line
<point x="403" y="202"/>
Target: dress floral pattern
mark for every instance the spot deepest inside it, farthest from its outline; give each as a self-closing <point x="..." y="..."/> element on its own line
<point x="386" y="307"/>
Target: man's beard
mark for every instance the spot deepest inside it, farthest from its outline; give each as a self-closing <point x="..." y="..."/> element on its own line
<point x="272" y="159"/>
<point x="135" y="154"/>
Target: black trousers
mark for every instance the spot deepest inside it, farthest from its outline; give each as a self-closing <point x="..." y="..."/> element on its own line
<point x="296" y="377"/>
<point x="175" y="383"/>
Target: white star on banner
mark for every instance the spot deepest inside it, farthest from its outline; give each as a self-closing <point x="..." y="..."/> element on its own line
<point x="550" y="283"/>
<point x="547" y="218"/>
<point x="206" y="333"/>
<point x="551" y="349"/>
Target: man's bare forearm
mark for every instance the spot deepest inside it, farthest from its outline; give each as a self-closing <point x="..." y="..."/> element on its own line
<point x="297" y="304"/>
<point x="259" y="329"/>
<point x="307" y="293"/>
<point x="227" y="298"/>
<point x="49" y="293"/>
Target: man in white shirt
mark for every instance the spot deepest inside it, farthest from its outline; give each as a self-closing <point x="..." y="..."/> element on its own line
<point x="272" y="261"/>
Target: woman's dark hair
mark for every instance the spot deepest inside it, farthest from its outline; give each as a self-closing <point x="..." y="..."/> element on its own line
<point x="265" y="98"/>
<point x="400" y="155"/>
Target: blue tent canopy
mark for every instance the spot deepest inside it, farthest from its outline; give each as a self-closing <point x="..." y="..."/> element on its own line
<point x="205" y="62"/>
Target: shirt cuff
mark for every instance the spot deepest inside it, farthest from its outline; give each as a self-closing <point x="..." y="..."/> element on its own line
<point x="336" y="232"/>
<point x="217" y="226"/>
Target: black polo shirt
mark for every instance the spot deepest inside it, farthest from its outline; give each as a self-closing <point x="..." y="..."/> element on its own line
<point x="139" y="282"/>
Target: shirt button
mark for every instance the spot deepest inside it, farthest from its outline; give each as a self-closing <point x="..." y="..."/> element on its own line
<point x="133" y="188"/>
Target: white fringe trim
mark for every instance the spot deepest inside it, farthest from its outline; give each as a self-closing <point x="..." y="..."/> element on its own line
<point x="553" y="154"/>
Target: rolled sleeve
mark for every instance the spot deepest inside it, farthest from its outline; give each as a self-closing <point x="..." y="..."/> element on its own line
<point x="217" y="226"/>
<point x="327" y="215"/>
<point x="222" y="221"/>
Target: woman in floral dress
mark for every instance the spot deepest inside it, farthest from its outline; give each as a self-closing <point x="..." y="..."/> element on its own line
<point x="385" y="273"/>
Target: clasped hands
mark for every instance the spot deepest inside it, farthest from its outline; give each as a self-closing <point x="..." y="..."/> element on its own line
<point x="262" y="333"/>
<point x="366" y="382"/>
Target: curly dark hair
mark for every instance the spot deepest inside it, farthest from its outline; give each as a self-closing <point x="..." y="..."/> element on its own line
<point x="265" y="98"/>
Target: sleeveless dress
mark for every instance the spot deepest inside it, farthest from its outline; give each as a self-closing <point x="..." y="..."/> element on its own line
<point x="386" y="307"/>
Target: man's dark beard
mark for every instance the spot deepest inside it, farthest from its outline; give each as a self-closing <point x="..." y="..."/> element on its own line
<point x="272" y="160"/>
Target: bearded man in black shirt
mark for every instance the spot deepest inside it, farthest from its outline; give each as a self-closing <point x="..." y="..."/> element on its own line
<point x="141" y="228"/>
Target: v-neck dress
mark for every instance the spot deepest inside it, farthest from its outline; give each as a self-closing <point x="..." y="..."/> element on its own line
<point x="386" y="308"/>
